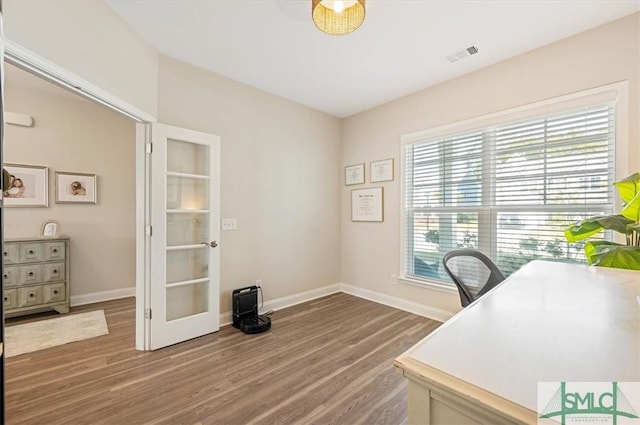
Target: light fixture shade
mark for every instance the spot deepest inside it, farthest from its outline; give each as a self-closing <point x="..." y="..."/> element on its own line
<point x="337" y="23"/>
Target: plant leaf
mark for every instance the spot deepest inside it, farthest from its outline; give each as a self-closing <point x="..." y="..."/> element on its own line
<point x="611" y="254"/>
<point x="628" y="187"/>
<point x="632" y="209"/>
<point x="592" y="225"/>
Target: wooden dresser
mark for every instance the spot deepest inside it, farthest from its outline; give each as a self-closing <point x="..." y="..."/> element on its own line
<point x="35" y="275"/>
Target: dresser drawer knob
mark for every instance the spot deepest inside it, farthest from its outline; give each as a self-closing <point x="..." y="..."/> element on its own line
<point x="30" y="251"/>
<point x="6" y="299"/>
<point x="5" y="276"/>
<point x="32" y="295"/>
<point x="30" y="273"/>
<point x="55" y="271"/>
<point x="55" y="250"/>
<point x="5" y="253"/>
<point x="55" y="292"/>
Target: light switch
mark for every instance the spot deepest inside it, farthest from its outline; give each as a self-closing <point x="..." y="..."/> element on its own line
<point x="229" y="224"/>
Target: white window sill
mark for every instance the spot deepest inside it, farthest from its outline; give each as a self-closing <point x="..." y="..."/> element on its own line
<point x="449" y="288"/>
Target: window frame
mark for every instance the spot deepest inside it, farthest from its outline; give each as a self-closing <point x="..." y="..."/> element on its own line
<point x="616" y="92"/>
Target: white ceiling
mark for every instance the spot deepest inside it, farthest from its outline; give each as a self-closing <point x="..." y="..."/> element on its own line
<point x="401" y="47"/>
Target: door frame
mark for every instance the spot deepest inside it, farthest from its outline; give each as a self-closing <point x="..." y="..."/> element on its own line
<point x="24" y="58"/>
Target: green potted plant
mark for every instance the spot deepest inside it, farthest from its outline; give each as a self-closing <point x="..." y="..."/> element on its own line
<point x="608" y="253"/>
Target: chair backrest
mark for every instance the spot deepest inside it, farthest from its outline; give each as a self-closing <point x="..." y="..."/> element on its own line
<point x="473" y="273"/>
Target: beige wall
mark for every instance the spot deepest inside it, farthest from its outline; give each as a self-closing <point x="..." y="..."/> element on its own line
<point x="90" y="40"/>
<point x="371" y="252"/>
<point x="280" y="179"/>
<point x="282" y="163"/>
<point x="75" y="135"/>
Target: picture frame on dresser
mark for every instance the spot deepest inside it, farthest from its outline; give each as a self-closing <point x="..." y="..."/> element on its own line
<point x="50" y="229"/>
<point x="28" y="186"/>
<point x="76" y="188"/>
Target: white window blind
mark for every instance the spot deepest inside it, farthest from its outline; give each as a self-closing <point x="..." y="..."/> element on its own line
<point x="508" y="190"/>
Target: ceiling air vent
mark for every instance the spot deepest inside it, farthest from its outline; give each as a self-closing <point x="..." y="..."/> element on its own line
<point x="464" y="53"/>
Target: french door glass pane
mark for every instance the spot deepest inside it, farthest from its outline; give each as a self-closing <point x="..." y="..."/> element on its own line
<point x="186" y="300"/>
<point x="187" y="158"/>
<point x="187" y="229"/>
<point x="187" y="264"/>
<point x="185" y="193"/>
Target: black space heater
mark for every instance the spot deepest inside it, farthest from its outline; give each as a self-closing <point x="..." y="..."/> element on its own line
<point x="245" y="311"/>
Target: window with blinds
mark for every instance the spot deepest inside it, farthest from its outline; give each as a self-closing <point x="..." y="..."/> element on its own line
<point x="508" y="190"/>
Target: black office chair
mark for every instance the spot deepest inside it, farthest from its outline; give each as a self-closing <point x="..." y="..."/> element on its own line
<point x="473" y="273"/>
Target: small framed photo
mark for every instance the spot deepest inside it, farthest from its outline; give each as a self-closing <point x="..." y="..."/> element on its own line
<point x="76" y="188"/>
<point x="354" y="174"/>
<point x="28" y="186"/>
<point x="50" y="229"/>
<point x="381" y="171"/>
<point x="367" y="204"/>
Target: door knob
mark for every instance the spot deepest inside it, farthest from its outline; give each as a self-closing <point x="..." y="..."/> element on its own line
<point x="211" y="244"/>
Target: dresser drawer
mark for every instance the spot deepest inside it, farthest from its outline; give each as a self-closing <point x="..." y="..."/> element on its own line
<point x="31" y="252"/>
<point x="10" y="298"/>
<point x="53" y="272"/>
<point x="53" y="251"/>
<point x="30" y="296"/>
<point x="30" y="274"/>
<point x="54" y="292"/>
<point x="10" y="276"/>
<point x="10" y="254"/>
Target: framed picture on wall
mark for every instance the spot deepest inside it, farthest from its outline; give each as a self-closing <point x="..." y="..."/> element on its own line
<point x="381" y="171"/>
<point x="367" y="204"/>
<point x="28" y="186"/>
<point x="76" y="188"/>
<point x="354" y="174"/>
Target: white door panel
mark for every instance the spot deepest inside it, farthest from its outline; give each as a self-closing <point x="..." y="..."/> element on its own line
<point x="185" y="217"/>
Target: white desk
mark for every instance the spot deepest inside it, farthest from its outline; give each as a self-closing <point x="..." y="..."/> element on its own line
<point x="547" y="322"/>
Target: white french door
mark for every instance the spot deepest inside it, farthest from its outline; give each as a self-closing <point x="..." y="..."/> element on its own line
<point x="185" y="217"/>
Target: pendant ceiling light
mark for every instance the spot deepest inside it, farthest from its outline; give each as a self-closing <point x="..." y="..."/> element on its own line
<point x="336" y="17"/>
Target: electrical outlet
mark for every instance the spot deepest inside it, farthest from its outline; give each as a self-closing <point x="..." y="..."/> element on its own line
<point x="393" y="279"/>
<point x="259" y="283"/>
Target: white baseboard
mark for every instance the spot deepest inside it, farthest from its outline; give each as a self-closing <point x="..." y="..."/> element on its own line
<point x="97" y="297"/>
<point x="288" y="301"/>
<point x="399" y="303"/>
<point x="291" y="300"/>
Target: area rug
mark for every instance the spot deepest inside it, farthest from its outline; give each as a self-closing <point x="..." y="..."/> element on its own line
<point x="20" y="339"/>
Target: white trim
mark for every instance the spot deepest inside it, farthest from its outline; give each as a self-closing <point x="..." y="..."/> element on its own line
<point x="142" y="240"/>
<point x="622" y="133"/>
<point x="399" y="303"/>
<point x="97" y="297"/>
<point x="602" y="94"/>
<point x="25" y="58"/>
<point x="289" y="301"/>
<point x="440" y="286"/>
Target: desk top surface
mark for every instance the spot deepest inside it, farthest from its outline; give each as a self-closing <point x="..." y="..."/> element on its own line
<point x="548" y="322"/>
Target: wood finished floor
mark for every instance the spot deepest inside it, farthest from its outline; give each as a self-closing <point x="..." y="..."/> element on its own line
<point x="327" y="361"/>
